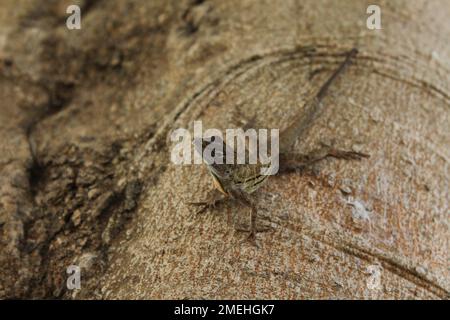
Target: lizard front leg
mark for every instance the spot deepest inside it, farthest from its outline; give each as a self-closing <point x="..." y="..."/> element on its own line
<point x="245" y="200"/>
<point x="214" y="197"/>
<point x="292" y="161"/>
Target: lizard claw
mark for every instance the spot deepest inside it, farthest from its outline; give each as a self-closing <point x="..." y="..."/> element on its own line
<point x="343" y="154"/>
<point x="210" y="203"/>
<point x="251" y="238"/>
<point x="258" y="229"/>
<point x="203" y="206"/>
<point x="347" y="155"/>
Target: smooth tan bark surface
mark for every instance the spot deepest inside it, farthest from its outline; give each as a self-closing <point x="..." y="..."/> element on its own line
<point x="85" y="170"/>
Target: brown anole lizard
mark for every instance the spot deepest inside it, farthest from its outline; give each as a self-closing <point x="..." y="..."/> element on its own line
<point x="238" y="181"/>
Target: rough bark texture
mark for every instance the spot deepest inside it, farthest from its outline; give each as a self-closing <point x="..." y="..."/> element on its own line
<point x="85" y="171"/>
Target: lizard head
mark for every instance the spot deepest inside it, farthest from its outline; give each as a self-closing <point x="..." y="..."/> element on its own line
<point x="213" y="151"/>
<point x="200" y="144"/>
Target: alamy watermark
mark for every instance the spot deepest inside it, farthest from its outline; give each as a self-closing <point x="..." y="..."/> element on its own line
<point x="213" y="149"/>
<point x="74" y="20"/>
<point x="74" y="278"/>
<point x="374" y="279"/>
<point x="373" y="22"/>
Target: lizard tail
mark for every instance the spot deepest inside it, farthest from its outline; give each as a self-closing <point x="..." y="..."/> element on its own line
<point x="312" y="109"/>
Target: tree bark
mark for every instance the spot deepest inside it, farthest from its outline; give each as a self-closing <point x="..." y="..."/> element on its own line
<point x="85" y="170"/>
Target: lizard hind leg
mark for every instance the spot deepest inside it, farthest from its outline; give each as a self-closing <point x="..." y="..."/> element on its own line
<point x="292" y="161"/>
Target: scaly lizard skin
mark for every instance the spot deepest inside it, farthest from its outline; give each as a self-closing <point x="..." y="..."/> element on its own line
<point x="238" y="181"/>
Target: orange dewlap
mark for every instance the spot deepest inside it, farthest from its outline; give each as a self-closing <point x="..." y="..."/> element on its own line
<point x="219" y="186"/>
